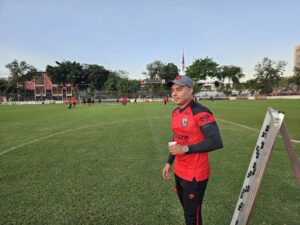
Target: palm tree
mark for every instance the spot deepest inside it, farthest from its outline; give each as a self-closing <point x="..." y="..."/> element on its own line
<point x="232" y="73"/>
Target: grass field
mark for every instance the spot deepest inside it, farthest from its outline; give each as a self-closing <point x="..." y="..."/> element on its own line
<point x="102" y="165"/>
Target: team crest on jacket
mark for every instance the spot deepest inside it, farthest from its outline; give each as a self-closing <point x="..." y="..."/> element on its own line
<point x="184" y="122"/>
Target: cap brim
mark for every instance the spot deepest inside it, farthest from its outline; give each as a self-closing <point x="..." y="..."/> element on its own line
<point x="170" y="83"/>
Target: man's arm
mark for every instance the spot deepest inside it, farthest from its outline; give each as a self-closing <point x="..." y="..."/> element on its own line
<point x="212" y="139"/>
<point x="171" y="158"/>
<point x="166" y="170"/>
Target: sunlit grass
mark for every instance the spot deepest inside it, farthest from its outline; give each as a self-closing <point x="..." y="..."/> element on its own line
<point x="102" y="165"/>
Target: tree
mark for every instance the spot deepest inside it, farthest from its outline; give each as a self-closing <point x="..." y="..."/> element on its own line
<point x="119" y="83"/>
<point x="203" y="68"/>
<point x="296" y="78"/>
<point x="197" y="87"/>
<point x="20" y="71"/>
<point x="65" y="72"/>
<point x="96" y="76"/>
<point x="252" y="85"/>
<point x="4" y="86"/>
<point x="112" y="83"/>
<point x="268" y="74"/>
<point x="168" y="72"/>
<point x="133" y="86"/>
<point x="240" y="87"/>
<point x="217" y="84"/>
<point x="283" y="83"/>
<point x="154" y="69"/>
<point x="125" y="86"/>
<point x="232" y="73"/>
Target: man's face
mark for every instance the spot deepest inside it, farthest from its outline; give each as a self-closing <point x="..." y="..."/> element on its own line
<point x="181" y="94"/>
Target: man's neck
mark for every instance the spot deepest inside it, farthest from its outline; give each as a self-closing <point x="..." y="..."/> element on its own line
<point x="185" y="104"/>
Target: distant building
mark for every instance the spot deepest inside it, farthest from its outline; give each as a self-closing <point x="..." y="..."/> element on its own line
<point x="297" y="56"/>
<point x="210" y="84"/>
<point x="41" y="88"/>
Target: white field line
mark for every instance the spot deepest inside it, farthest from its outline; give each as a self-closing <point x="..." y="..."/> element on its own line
<point x="250" y="128"/>
<point x="109" y="123"/>
<point x="62" y="132"/>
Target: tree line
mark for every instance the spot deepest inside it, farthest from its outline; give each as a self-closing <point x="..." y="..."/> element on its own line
<point x="85" y="77"/>
<point x="269" y="74"/>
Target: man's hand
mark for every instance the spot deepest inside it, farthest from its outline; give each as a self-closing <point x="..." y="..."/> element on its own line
<point x="176" y="149"/>
<point x="166" y="172"/>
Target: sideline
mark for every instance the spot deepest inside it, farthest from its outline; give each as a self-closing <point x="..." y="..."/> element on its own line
<point x="250" y="128"/>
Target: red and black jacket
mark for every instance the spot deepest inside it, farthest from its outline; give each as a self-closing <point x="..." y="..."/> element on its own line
<point x="194" y="126"/>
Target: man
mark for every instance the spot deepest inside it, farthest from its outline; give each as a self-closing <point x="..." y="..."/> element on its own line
<point x="195" y="133"/>
<point x="165" y="100"/>
<point x="124" y="100"/>
<point x="74" y="102"/>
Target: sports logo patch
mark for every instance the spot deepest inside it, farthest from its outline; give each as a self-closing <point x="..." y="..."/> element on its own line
<point x="184" y="122"/>
<point x="206" y="118"/>
<point x="191" y="196"/>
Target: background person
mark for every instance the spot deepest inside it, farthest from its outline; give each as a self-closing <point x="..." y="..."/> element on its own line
<point x="165" y="100"/>
<point x="74" y="101"/>
<point x="124" y="100"/>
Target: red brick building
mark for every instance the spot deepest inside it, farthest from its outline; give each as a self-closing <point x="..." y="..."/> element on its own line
<point x="42" y="88"/>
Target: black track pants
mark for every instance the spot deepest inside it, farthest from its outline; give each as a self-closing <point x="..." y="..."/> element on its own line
<point x="190" y="194"/>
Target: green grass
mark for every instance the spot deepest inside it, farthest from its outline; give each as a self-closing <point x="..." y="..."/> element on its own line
<point x="102" y="165"/>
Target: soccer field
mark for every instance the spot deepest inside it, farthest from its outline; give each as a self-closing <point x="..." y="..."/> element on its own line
<point x="102" y="164"/>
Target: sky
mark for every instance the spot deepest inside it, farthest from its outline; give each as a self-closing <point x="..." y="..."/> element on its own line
<point x="128" y="35"/>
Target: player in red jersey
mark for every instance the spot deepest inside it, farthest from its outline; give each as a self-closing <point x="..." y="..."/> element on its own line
<point x="196" y="133"/>
<point x="74" y="101"/>
<point x="124" y="101"/>
<point x="165" y="100"/>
